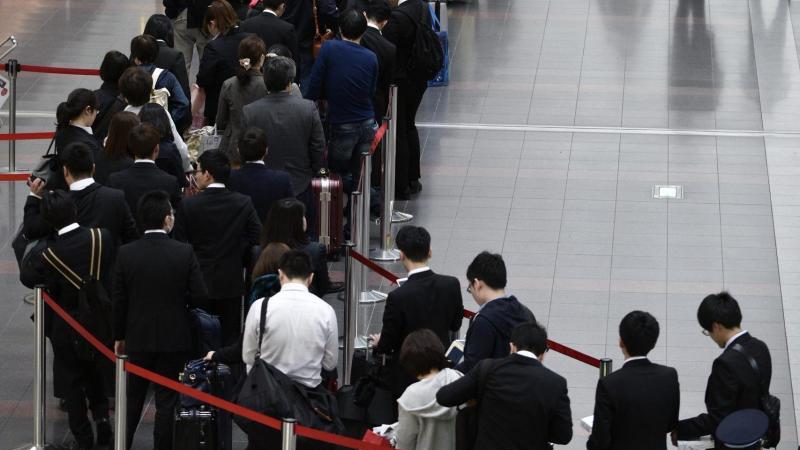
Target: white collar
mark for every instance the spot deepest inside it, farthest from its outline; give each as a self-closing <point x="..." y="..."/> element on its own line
<point x="216" y="185"/>
<point x="145" y="160"/>
<point x="161" y="40"/>
<point x="86" y="129"/>
<point x="419" y="270"/>
<point x="633" y="358"/>
<point x="372" y="25"/>
<point x="267" y="10"/>
<point x="401" y="2"/>
<point x="527" y="354"/>
<point x="68" y="228"/>
<point x="294" y="287"/>
<point x="733" y="338"/>
<point x="133" y="109"/>
<point x="154" y="231"/>
<point x="81" y="184"/>
<point x="258" y="161"/>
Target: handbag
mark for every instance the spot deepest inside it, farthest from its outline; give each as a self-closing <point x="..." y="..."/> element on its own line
<point x="319" y="39"/>
<point x="27" y="252"/>
<point x="48" y="165"/>
<point x="159" y="96"/>
<point x="373" y="393"/>
<point x="770" y="404"/>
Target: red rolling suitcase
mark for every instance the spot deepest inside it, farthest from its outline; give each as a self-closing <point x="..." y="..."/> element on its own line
<point x="329" y="198"/>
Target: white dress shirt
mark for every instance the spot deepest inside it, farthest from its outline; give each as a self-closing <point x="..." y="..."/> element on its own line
<point x="400" y="281"/>
<point x="301" y="336"/>
<point x="527" y="354"/>
<point x="86" y="129"/>
<point x="154" y="231"/>
<point x="216" y="185"/>
<point x="68" y="228"/>
<point x="81" y="184"/>
<point x="733" y="338"/>
<point x="633" y="358"/>
<point x="144" y="160"/>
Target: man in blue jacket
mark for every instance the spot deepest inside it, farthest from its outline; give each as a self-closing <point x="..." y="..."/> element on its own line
<point x="489" y="333"/>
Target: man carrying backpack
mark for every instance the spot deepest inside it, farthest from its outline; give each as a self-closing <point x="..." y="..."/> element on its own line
<point x="408" y="29"/>
<point x="75" y="270"/>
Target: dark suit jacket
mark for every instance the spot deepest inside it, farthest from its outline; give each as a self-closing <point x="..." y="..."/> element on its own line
<point x="264" y="186"/>
<point x="104" y="166"/>
<point x="401" y="31"/>
<point x="110" y="103"/>
<point x="194" y="15"/>
<point x="219" y="62"/>
<point x="635" y="407"/>
<point x="732" y="385"/>
<point x="522" y="405"/>
<point x="386" y="53"/>
<point x="155" y="279"/>
<point x="300" y="14"/>
<point x="221" y="225"/>
<point x="273" y="30"/>
<point x="173" y="61"/>
<point x="294" y="132"/>
<point x="65" y="136"/>
<point x="98" y="207"/>
<point x="142" y="178"/>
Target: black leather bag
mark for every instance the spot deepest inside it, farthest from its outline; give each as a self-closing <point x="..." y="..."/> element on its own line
<point x="373" y="393"/>
<point x="770" y="404"/>
<point x="48" y="165"/>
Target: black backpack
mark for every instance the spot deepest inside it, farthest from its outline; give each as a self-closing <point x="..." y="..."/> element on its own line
<point x="427" y="55"/>
<point x="94" y="304"/>
<point x="770" y="404"/>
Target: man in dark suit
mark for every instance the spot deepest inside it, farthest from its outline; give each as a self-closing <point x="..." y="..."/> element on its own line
<point x="401" y="31"/>
<point x="98" y="206"/>
<point x="222" y="226"/>
<point x="144" y="176"/>
<point x="294" y="131"/>
<point x="378" y="13"/>
<point x="300" y="14"/>
<point x="263" y="185"/>
<point x="733" y="383"/>
<point x="424" y="300"/>
<point x="76" y="377"/>
<point x="156" y="280"/>
<point x="160" y="27"/>
<point x="636" y="406"/>
<point x="271" y="29"/>
<point x="522" y="405"/>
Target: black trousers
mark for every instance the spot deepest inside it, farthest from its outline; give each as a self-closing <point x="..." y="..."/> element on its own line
<point x="409" y="97"/>
<point x="229" y="311"/>
<point x="168" y="364"/>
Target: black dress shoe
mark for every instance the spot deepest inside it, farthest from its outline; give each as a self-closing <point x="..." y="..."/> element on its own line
<point x="414" y="187"/>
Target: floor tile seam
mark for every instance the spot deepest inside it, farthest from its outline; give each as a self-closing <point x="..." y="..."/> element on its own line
<point x="539" y="60"/>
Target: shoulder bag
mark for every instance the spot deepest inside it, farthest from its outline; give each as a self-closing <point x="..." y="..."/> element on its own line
<point x="770" y="404"/>
<point x="49" y="164"/>
<point x="319" y="38"/>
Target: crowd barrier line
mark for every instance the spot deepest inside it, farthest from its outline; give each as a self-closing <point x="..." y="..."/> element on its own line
<point x="555" y="346"/>
<point x="54" y="70"/>
<point x="215" y="401"/>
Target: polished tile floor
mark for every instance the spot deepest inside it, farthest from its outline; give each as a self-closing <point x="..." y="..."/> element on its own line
<point x="608" y="98"/>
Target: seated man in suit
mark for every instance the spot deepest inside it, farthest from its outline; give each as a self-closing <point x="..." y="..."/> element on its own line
<point x="522" y="405"/>
<point x="636" y="406"/>
<point x="144" y="51"/>
<point x="733" y="384"/>
<point x="425" y="300"/>
<point x="269" y="26"/>
<point x="489" y="332"/>
<point x="156" y="281"/>
<point x="98" y="206"/>
<point x="254" y="179"/>
<point x="294" y="131"/>
<point x="222" y="227"/>
<point x="144" y="176"/>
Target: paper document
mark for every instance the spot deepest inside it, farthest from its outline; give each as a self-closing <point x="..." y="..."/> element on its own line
<point x="587" y="423"/>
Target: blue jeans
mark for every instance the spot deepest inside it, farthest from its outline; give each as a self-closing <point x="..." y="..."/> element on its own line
<point x="347" y="142"/>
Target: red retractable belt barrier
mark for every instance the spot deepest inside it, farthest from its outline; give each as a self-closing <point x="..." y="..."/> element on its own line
<point x="27" y="136"/>
<point x="555" y="346"/>
<point x="55" y="70"/>
<point x="378" y="137"/>
<point x="14" y="176"/>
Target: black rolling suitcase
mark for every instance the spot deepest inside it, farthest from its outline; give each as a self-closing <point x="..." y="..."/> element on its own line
<point x="199" y="426"/>
<point x="196" y="428"/>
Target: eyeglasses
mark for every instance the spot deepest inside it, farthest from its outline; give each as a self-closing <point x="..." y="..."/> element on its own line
<point x="469" y="286"/>
<point x="706" y="332"/>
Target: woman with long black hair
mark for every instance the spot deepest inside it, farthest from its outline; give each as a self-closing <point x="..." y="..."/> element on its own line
<point x="74" y="119"/>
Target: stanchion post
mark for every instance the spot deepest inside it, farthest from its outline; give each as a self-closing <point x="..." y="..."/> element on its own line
<point x="349" y="315"/>
<point x="606" y="366"/>
<point x="366" y="295"/>
<point x="386" y="250"/>
<point x="39" y="371"/>
<point x="13" y="69"/>
<point x="288" y="438"/>
<point x="121" y="404"/>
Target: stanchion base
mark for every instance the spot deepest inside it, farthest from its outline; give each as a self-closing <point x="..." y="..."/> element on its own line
<point x="384" y="255"/>
<point x="401" y="217"/>
<point x="372" y="297"/>
<point x="33" y="447"/>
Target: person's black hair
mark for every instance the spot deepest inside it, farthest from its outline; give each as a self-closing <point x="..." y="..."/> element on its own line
<point x="296" y="264"/>
<point x="160" y="27"/>
<point x="284" y="223"/>
<point x="278" y="73"/>
<point x="143" y="140"/>
<point x="639" y="332"/>
<point x="378" y="10"/>
<point x="77" y="102"/>
<point x="78" y="158"/>
<point x="152" y="208"/>
<point x="530" y="336"/>
<point x="253" y="48"/>
<point x="280" y="50"/>
<point x="113" y="66"/>
<point x="414" y="242"/>
<point x="489" y="268"/>
<point x="217" y="163"/>
<point x="58" y="209"/>
<point x="422" y="351"/>
<point x="157" y="116"/>
<point x="253" y="144"/>
<point x="145" y="48"/>
<point x="721" y="308"/>
<point x="353" y="24"/>
<point x="272" y="4"/>
<point x="135" y="86"/>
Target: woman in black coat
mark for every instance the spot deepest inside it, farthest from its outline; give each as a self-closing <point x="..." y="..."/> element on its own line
<point x="220" y="57"/>
<point x="108" y="98"/>
<point x="168" y="159"/>
<point x="74" y="119"/>
<point x="115" y="155"/>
